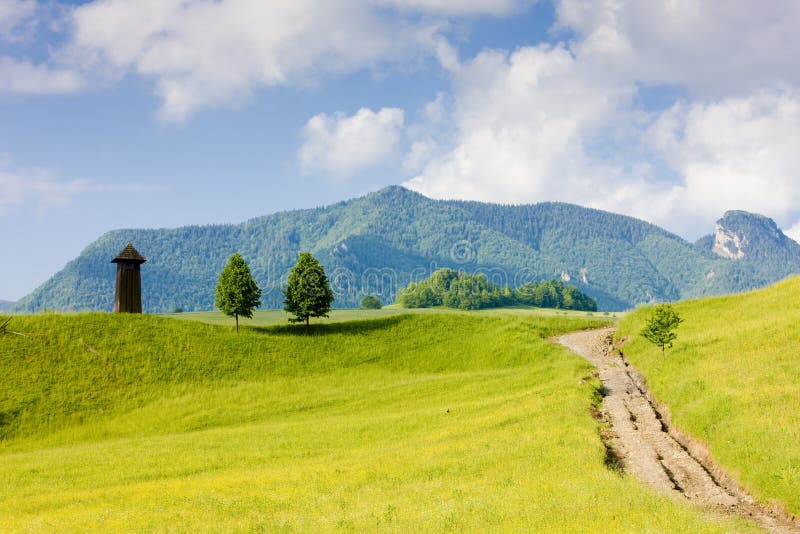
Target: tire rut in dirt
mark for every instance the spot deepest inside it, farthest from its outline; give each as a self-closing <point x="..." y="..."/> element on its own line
<point x="641" y="440"/>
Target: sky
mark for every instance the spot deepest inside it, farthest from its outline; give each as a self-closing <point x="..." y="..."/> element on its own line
<point x="163" y="113"/>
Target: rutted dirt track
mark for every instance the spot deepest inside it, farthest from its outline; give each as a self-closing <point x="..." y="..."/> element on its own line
<point x="648" y="448"/>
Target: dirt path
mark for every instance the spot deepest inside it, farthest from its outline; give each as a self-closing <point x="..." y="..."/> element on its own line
<point x="641" y="437"/>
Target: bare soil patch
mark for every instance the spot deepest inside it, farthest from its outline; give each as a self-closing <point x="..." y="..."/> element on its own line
<point x="641" y="440"/>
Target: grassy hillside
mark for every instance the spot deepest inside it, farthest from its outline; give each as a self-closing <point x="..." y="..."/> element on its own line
<point x="431" y="422"/>
<point x="733" y="379"/>
<point x="280" y="317"/>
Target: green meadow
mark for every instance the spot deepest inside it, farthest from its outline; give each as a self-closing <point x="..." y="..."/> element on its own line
<point x="732" y="379"/>
<point x="280" y="317"/>
<point x="404" y="422"/>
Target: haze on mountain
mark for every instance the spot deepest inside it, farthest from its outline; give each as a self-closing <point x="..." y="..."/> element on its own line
<point x="378" y="243"/>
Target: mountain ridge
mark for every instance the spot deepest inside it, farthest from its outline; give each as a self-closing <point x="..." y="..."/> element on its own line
<point x="379" y="242"/>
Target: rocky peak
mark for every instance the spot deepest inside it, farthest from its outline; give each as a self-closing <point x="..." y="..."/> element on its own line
<point x="728" y="244"/>
<point x="740" y="234"/>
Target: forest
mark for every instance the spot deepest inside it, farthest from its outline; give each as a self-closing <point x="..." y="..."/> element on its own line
<point x="453" y="289"/>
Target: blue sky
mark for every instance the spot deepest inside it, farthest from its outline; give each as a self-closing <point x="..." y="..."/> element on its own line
<point x="161" y="113"/>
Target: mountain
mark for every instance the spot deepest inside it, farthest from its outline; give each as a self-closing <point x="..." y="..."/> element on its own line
<point x="378" y="243"/>
<point x="760" y="252"/>
<point x="5" y="304"/>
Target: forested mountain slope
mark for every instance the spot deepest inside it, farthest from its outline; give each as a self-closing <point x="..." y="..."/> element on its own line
<point x="378" y="243"/>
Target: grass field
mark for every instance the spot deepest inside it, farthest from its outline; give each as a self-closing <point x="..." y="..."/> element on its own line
<point x="428" y="422"/>
<point x="733" y="380"/>
<point x="280" y="317"/>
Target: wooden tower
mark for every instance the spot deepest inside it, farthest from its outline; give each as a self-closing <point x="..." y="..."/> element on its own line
<point x="128" y="295"/>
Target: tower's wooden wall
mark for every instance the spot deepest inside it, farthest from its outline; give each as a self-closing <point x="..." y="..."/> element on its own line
<point x="128" y="294"/>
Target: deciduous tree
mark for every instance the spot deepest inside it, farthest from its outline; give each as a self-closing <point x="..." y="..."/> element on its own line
<point x="237" y="291"/>
<point x="661" y="326"/>
<point x="307" y="293"/>
<point x="370" y="302"/>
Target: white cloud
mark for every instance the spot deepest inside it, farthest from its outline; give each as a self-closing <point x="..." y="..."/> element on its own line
<point x="419" y="153"/>
<point x="39" y="189"/>
<point x="202" y="53"/>
<point x="566" y="122"/>
<point x="549" y="122"/>
<point x="522" y="123"/>
<point x="713" y="48"/>
<point x="27" y="78"/>
<point x="341" y="146"/>
<point x="794" y="232"/>
<point x="31" y="186"/>
<point x="19" y="22"/>
<point x="13" y="13"/>
<point x="460" y="7"/>
<point x="533" y="135"/>
<point x="739" y="153"/>
<point x="428" y="132"/>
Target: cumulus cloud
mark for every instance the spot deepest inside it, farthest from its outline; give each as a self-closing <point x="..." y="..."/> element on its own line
<point x="739" y="153"/>
<point x="20" y="76"/>
<point x="794" y="232"/>
<point x="523" y="138"/>
<point x="342" y="145"/>
<point x="566" y="122"/>
<point x="19" y="20"/>
<point x="711" y="47"/>
<point x="426" y="132"/>
<point x="201" y="53"/>
<point x="522" y="122"/>
<point x="13" y="13"/>
<point x="214" y="53"/>
<point x="540" y="124"/>
<point x="560" y="121"/>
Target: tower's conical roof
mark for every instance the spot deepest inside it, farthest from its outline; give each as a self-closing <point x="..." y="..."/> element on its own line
<point x="129" y="255"/>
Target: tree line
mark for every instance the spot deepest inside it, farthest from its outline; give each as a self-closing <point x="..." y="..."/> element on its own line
<point x="453" y="289"/>
<point x="403" y="231"/>
<point x="307" y="293"/>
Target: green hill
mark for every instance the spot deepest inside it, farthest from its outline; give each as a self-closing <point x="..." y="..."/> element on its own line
<point x="433" y="422"/>
<point x="733" y="380"/>
<point x="379" y="243"/>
